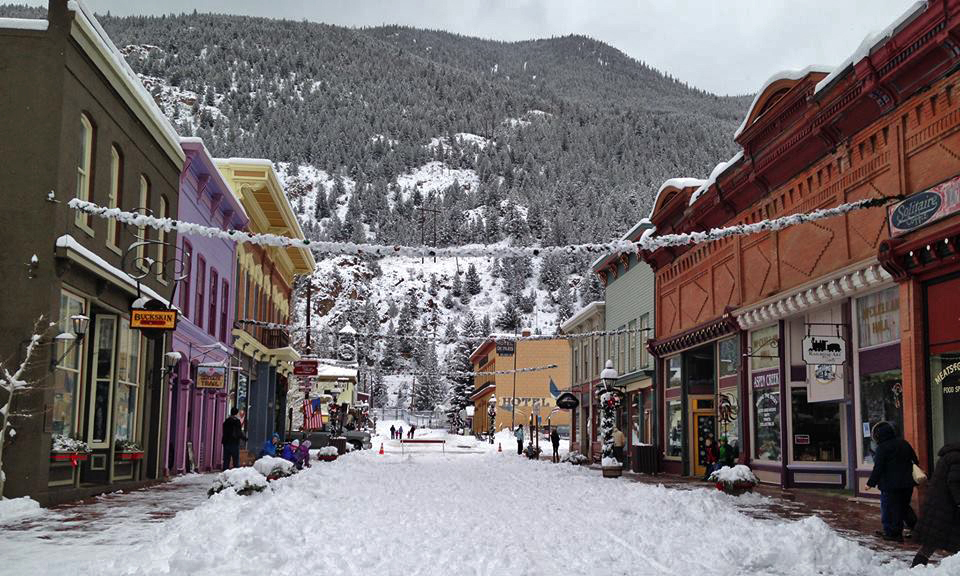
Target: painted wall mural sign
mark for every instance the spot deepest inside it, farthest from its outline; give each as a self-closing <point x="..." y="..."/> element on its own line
<point x="924" y="207"/>
<point x="211" y="375"/>
<point x="824" y="350"/>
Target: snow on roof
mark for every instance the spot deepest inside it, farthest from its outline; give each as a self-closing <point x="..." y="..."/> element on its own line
<point x="249" y="161"/>
<point x="680" y="183"/>
<point x="24" y="23"/>
<point x="782" y="75"/>
<point x="70" y="243"/>
<point x="114" y="58"/>
<point x="869" y="43"/>
<point x="642" y="224"/>
<point x="336" y="371"/>
<point x="582" y="313"/>
<point x="717" y="171"/>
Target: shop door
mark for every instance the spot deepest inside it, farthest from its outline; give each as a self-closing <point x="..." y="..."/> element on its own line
<point x="703" y="415"/>
<point x="99" y="420"/>
<point x="943" y="337"/>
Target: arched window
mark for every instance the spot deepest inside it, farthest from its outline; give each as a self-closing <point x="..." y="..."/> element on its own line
<point x="142" y="233"/>
<point x="162" y="237"/>
<point x="199" y="309"/>
<point x="212" y="298"/>
<point x="85" y="169"/>
<point x="116" y="195"/>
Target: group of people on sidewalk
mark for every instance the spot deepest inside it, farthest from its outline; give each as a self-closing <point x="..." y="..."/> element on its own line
<point x="233" y="434"/>
<point x="896" y="472"/>
<point x="296" y="452"/>
<point x="554" y="442"/>
<point x="717" y="455"/>
<point x="396" y="433"/>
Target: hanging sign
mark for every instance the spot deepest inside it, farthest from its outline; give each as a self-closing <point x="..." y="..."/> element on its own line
<point x="506" y="347"/>
<point x="925" y="207"/>
<point x="829" y="350"/>
<point x="305" y="368"/>
<point x="211" y="376"/>
<point x="567" y="401"/>
<point x="141" y="319"/>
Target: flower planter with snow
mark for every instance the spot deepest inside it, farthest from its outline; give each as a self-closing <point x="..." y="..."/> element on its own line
<point x="67" y="449"/>
<point x="612" y="468"/>
<point x="328" y="454"/>
<point x="243" y="481"/>
<point x="129" y="455"/>
<point x="72" y="457"/>
<point x="734" y="481"/>
<point x="274" y="468"/>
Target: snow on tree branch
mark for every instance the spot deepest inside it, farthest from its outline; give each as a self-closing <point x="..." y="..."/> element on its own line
<point x="647" y="242"/>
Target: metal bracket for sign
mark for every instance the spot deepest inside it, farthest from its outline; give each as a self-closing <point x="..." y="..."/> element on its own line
<point x="775" y="343"/>
<point x="836" y="325"/>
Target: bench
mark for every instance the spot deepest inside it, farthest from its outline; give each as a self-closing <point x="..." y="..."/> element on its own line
<point x="403" y="441"/>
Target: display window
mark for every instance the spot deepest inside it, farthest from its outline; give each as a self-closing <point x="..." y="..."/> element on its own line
<point x="68" y="374"/>
<point x="816" y="428"/>
<point x="674" y="429"/>
<point x="765" y="392"/>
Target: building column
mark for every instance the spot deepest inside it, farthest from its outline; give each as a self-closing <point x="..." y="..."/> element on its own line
<point x="914" y="369"/>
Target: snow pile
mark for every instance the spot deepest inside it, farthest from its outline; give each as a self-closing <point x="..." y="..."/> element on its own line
<point x="63" y="443"/>
<point x="243" y="481"/>
<point x="610" y="462"/>
<point x="272" y="467"/>
<point x="407" y="502"/>
<point x="16" y="508"/>
<point x="328" y="451"/>
<point x="576" y="458"/>
<point x="739" y="473"/>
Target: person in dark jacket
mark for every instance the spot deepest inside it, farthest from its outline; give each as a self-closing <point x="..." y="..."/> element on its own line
<point x="711" y="455"/>
<point x="555" y="441"/>
<point x="939" y="524"/>
<point x="393" y="432"/>
<point x="231" y="437"/>
<point x="270" y="446"/>
<point x="892" y="473"/>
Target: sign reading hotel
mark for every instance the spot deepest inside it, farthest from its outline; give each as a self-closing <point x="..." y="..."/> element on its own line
<point x="506" y="347"/>
<point x="211" y="376"/>
<point x="141" y="319"/>
<point x="824" y="350"/>
<point x="924" y="207"/>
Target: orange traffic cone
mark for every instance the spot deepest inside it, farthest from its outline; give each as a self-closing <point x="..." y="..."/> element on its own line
<point x="499" y="447"/>
<point x="381" y="448"/>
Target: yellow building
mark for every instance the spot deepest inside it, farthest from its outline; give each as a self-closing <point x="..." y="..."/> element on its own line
<point x="263" y="356"/>
<point x="536" y="392"/>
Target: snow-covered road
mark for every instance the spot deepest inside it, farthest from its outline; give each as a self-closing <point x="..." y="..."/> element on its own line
<point x="472" y="511"/>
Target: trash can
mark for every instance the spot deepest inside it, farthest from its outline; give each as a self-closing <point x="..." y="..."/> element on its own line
<point x="646" y="459"/>
<point x="341" y="443"/>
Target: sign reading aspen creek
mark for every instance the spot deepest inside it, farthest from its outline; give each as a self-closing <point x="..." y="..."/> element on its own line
<point x="211" y="375"/>
<point x="925" y="207"/>
<point x="567" y="401"/>
<point x="824" y="350"/>
<point x="506" y="347"/>
<point x="141" y="319"/>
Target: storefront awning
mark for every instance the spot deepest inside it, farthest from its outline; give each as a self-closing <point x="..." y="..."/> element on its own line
<point x="842" y="285"/>
<point x="693" y="337"/>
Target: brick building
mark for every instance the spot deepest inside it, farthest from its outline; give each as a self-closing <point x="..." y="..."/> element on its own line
<point x="736" y="318"/>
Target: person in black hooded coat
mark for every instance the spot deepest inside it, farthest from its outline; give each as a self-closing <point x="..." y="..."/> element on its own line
<point x="893" y="463"/>
<point x="939" y="525"/>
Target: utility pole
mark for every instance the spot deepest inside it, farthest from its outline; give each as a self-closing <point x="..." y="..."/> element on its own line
<point x="423" y="225"/>
<point x="308" y="350"/>
<point x="516" y="349"/>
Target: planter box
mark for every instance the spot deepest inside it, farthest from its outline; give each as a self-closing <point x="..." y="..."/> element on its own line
<point x="326" y="457"/>
<point x="736" y="489"/>
<point x="72" y="457"/>
<point x="612" y="471"/>
<point x="129" y="455"/>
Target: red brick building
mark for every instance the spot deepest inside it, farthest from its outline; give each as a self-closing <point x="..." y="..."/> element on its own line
<point x="739" y="320"/>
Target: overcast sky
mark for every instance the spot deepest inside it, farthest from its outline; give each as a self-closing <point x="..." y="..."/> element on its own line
<point x="725" y="46"/>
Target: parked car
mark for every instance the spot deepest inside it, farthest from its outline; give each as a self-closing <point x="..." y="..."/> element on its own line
<point x="359" y="439"/>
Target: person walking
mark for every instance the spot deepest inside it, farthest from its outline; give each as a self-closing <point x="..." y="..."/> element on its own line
<point x="413" y="428"/>
<point x="232" y="434"/>
<point x="939" y="524"/>
<point x="393" y="432"/>
<point x="518" y="434"/>
<point x="892" y="473"/>
<point x="400" y="433"/>
<point x="555" y="441"/>
<point x="619" y="441"/>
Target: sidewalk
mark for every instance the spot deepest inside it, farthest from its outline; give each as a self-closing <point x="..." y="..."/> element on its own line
<point x="855" y="518"/>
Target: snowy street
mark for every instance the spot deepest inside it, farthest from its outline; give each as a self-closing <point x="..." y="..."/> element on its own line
<point x="471" y="510"/>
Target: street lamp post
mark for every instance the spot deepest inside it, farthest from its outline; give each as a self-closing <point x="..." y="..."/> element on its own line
<point x="492" y="413"/>
<point x="609" y="399"/>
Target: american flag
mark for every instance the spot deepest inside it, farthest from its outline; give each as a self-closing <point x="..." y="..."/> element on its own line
<point x="312" y="415"/>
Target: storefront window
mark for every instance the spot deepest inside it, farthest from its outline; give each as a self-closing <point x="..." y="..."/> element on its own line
<point x="766" y="414"/>
<point x="728" y="415"/>
<point x="67" y="376"/>
<point x="674" y="429"/>
<point x="816" y="429"/>
<point x="674" y="372"/>
<point x="945" y="398"/>
<point x="881" y="399"/>
<point x="729" y="353"/>
<point x="242" y="386"/>
<point x="878" y="318"/>
<point x="632" y="345"/>
<point x="764" y="348"/>
<point x="636" y="419"/>
<point x="128" y="383"/>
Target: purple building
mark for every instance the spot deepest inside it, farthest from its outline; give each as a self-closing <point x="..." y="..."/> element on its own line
<point x="201" y="382"/>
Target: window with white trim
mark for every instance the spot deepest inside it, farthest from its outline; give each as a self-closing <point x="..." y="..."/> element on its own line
<point x="85" y="170"/>
<point x="116" y="196"/>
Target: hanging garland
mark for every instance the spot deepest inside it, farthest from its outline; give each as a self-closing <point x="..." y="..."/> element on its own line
<point x="648" y="241"/>
<point x="453" y="372"/>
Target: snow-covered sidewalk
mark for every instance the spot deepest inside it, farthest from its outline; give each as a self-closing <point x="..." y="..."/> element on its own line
<point x="469" y="511"/>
